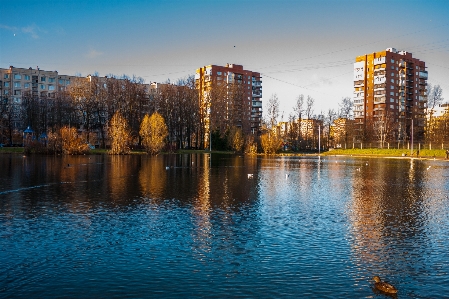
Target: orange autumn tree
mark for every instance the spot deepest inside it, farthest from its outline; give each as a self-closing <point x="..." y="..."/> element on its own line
<point x="119" y="133"/>
<point x="153" y="132"/>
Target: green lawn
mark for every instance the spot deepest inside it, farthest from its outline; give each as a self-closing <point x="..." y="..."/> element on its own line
<point x="437" y="153"/>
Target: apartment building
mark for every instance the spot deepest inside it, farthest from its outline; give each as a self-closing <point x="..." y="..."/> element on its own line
<point x="245" y="108"/>
<point x="390" y="86"/>
<point x="37" y="83"/>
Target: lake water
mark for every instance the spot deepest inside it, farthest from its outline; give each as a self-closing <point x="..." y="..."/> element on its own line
<point x="189" y="226"/>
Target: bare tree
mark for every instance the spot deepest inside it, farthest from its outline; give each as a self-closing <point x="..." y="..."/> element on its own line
<point x="434" y="99"/>
<point x="309" y="114"/>
<point x="346" y="106"/>
<point x="329" y="119"/>
<point x="272" y="111"/>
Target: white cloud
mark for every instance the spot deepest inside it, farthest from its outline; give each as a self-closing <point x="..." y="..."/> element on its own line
<point x="93" y="53"/>
<point x="32" y="30"/>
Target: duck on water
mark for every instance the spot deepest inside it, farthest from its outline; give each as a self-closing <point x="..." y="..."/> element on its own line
<point x="384" y="286"/>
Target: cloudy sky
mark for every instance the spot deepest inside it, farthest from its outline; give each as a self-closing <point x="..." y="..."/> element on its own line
<point x="300" y="47"/>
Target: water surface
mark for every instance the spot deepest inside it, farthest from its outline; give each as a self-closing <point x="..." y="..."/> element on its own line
<point x="222" y="226"/>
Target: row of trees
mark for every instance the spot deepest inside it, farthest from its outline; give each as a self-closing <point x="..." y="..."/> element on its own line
<point x="338" y="128"/>
<point x="89" y="104"/>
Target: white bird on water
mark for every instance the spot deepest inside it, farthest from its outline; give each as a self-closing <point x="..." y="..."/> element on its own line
<point x="250" y="175"/>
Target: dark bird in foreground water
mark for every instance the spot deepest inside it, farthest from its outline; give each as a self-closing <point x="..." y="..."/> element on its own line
<point x="384" y="286"/>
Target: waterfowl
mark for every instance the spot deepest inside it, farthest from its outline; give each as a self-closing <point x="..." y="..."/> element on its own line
<point x="384" y="286"/>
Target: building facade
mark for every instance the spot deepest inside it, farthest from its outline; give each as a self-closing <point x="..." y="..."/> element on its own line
<point x="390" y="95"/>
<point x="239" y="102"/>
<point x="18" y="84"/>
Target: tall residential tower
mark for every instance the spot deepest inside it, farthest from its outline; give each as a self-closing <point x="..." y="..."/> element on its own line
<point x="230" y="95"/>
<point x="390" y="87"/>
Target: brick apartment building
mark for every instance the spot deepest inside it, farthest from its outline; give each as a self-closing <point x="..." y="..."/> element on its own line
<point x="390" y="86"/>
<point x="247" y="108"/>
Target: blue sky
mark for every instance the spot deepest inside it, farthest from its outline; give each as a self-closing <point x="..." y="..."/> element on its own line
<point x="300" y="47"/>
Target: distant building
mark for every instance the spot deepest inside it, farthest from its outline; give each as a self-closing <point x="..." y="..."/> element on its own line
<point x="242" y="95"/>
<point x="341" y="132"/>
<point x="390" y="86"/>
<point x="15" y="83"/>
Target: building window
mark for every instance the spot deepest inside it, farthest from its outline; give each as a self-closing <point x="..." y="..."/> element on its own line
<point x="6" y="76"/>
<point x="52" y="80"/>
<point x="391" y="87"/>
<point x="392" y="80"/>
<point x="391" y="93"/>
<point x="6" y="92"/>
<point x="43" y="79"/>
<point x="392" y="60"/>
<point x="51" y="87"/>
<point x="392" y="106"/>
<point x="42" y="86"/>
<point x="26" y="85"/>
<point x="17" y="77"/>
<point x="27" y="77"/>
<point x="391" y="100"/>
<point x="61" y="81"/>
<point x="392" y="67"/>
<point x="218" y="73"/>
<point x="17" y="85"/>
<point x="6" y="84"/>
<point x="392" y="74"/>
<point x="67" y="82"/>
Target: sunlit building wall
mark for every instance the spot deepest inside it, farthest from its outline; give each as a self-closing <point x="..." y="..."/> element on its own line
<point x="251" y="97"/>
<point x="390" y="84"/>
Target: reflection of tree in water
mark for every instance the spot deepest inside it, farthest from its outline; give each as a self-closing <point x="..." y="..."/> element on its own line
<point x="388" y="218"/>
<point x="152" y="177"/>
<point x="121" y="177"/>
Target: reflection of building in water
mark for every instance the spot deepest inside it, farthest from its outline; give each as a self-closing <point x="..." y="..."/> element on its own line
<point x="386" y="213"/>
<point x="202" y="209"/>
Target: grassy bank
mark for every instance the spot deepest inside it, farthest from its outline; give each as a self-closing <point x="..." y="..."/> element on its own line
<point x="11" y="150"/>
<point x="424" y="153"/>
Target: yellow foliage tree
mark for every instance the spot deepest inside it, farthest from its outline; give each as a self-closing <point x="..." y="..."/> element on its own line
<point x="270" y="143"/>
<point x="71" y="143"/>
<point x="236" y="139"/>
<point x="153" y="132"/>
<point x="120" y="135"/>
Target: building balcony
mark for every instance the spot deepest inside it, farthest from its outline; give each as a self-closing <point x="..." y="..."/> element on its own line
<point x="257" y="83"/>
<point x="423" y="75"/>
<point x="379" y="100"/>
<point x="422" y="98"/>
<point x="257" y="95"/>
<point x="257" y="104"/>
<point x="359" y="83"/>
<point x="380" y="60"/>
<point x="379" y="79"/>
<point x="379" y="109"/>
